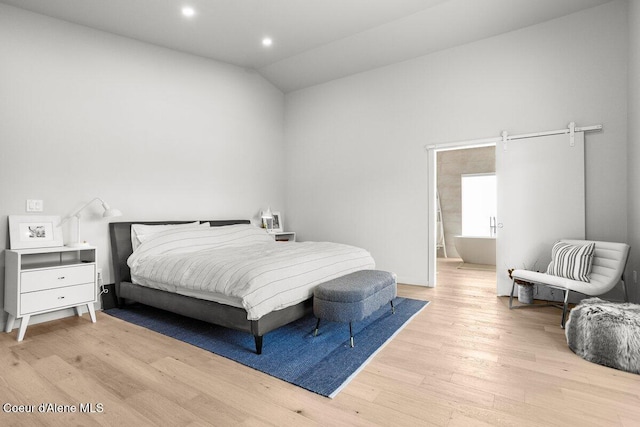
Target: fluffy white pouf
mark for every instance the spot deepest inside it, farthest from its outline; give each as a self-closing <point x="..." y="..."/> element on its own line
<point x="606" y="333"/>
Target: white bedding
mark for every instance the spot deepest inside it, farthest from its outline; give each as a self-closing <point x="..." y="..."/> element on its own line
<point x="241" y="265"/>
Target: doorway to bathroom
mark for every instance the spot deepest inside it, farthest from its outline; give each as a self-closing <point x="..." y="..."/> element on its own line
<point x="466" y="195"/>
<point x="540" y="196"/>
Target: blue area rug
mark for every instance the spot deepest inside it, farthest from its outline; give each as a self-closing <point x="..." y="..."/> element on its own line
<point x="322" y="364"/>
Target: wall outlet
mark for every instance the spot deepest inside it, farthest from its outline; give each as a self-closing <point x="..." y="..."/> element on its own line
<point x="99" y="273"/>
<point x="35" y="205"/>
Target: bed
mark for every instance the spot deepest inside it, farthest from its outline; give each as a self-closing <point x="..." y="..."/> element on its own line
<point x="214" y="298"/>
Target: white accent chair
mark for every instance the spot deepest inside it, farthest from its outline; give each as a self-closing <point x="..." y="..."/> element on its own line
<point x="607" y="269"/>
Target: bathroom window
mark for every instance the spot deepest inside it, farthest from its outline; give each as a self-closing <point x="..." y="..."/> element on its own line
<point x="478" y="204"/>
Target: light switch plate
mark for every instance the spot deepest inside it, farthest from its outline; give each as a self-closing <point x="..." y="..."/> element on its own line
<point x="35" y="205"/>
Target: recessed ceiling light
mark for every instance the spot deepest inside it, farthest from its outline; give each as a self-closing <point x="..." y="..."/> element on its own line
<point x="267" y="42"/>
<point x="188" y="11"/>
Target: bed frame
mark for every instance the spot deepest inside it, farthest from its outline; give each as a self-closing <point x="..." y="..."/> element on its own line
<point x="208" y="311"/>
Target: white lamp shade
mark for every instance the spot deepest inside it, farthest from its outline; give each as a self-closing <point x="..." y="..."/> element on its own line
<point x="110" y="213"/>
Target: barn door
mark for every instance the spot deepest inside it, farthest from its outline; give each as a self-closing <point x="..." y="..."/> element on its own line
<point x="541" y="199"/>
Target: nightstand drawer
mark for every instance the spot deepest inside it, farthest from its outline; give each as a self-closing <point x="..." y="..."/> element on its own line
<point x="31" y="281"/>
<point x="56" y="298"/>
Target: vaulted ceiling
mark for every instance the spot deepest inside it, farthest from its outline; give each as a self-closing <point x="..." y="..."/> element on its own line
<point x="313" y="41"/>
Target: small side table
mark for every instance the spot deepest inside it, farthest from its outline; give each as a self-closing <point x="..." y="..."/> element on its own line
<point x="42" y="280"/>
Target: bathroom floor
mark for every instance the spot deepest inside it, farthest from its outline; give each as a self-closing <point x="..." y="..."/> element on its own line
<point x="481" y="278"/>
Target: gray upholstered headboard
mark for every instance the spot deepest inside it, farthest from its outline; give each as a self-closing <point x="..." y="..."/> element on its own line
<point x="121" y="248"/>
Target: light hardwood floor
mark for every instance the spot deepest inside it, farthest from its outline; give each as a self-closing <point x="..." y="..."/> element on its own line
<point x="466" y="360"/>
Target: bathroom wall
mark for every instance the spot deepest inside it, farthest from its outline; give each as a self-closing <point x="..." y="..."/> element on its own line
<point x="452" y="164"/>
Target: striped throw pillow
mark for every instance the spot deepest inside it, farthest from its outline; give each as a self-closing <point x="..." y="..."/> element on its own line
<point x="571" y="261"/>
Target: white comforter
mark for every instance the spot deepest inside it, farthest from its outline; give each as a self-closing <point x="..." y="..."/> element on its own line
<point x="241" y="263"/>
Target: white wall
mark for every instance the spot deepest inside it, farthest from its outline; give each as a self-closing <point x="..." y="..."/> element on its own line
<point x="158" y="134"/>
<point x="356" y="168"/>
<point x="634" y="146"/>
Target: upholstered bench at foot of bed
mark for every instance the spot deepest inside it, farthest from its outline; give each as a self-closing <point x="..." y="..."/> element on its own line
<point x="353" y="297"/>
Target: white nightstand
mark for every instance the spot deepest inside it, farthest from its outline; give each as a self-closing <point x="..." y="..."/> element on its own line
<point x="283" y="236"/>
<point x="47" y="279"/>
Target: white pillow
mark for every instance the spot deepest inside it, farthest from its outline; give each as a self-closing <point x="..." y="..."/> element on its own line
<point x="194" y="239"/>
<point x="141" y="231"/>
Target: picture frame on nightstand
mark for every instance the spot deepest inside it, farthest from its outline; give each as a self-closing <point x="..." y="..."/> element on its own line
<point x="34" y="231"/>
<point x="278" y="223"/>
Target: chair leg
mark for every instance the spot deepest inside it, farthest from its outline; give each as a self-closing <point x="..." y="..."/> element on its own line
<point x="564" y="308"/>
<point x="350" y="335"/>
<point x="513" y="285"/>
<point x="393" y="309"/>
<point x="315" y="333"/>
<point x="624" y="287"/>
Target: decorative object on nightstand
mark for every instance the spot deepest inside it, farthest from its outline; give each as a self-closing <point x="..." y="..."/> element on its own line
<point x="278" y="223"/>
<point x="34" y="231"/>
<point x="267" y="219"/>
<point x="108" y="213"/>
<point x="41" y="280"/>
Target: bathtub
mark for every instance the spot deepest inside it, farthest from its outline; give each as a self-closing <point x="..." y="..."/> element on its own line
<point x="476" y="250"/>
